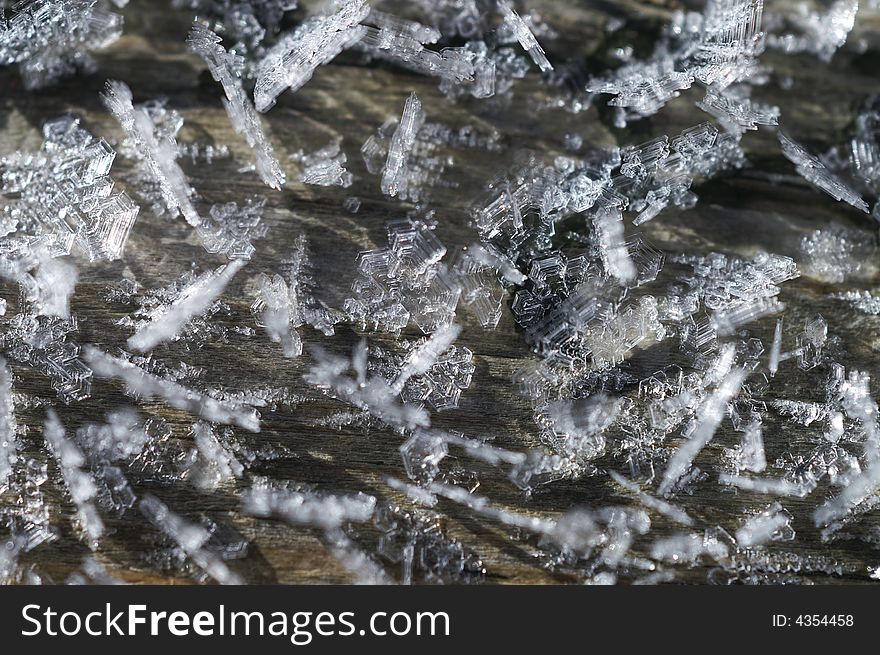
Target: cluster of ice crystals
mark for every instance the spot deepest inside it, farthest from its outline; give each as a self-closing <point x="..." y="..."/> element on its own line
<point x="816" y="173"/>
<point x="718" y="47"/>
<point x="225" y="67"/>
<point x="736" y="111"/>
<point x="830" y="254"/>
<point x="230" y="228"/>
<point x="404" y="281"/>
<point x="819" y="33"/>
<point x="325" y="167"/>
<point x="328" y="512"/>
<point x="292" y="61"/>
<point x="64" y="193"/>
<point x="215" y="463"/>
<point x="863" y="301"/>
<point x="50" y="39"/>
<point x="42" y="342"/>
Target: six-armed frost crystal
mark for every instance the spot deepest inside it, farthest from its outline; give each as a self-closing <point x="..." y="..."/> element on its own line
<point x="356" y="291"/>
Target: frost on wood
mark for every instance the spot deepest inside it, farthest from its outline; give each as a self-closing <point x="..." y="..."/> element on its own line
<point x="224" y="67"/>
<point x="50" y="39"/>
<point x="292" y="61"/>
<point x="64" y="193"/>
<point x="8" y="425"/>
<point x="158" y="152"/>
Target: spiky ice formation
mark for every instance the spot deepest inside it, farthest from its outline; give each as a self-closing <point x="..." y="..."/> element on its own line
<point x="224" y="67"/>
<point x="292" y="61"/>
<point x="158" y="152"/>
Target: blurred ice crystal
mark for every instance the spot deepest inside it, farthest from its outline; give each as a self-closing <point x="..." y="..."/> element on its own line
<point x="64" y="193"/>
<point x="819" y="33"/>
<point x="292" y="60"/>
<point x="863" y="301"/>
<point x="80" y="485"/>
<point x="145" y="384"/>
<point x="191" y="538"/>
<point x="215" y="463"/>
<point x="225" y="67"/>
<point x="157" y="150"/>
<point x="276" y="310"/>
<point x="195" y="299"/>
<point x="815" y="172"/>
<point x="8" y="425"/>
<point x="249" y="23"/>
<point x="50" y="39"/>
<point x="325" y="511"/>
<point x="771" y="524"/>
<point x="372" y="394"/>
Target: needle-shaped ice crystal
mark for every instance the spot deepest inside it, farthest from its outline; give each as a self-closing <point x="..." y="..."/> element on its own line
<point x="194" y="300"/>
<point x="146" y="384"/>
<point x="8" y="425"/>
<point x="524" y="35"/>
<point x="157" y="152"/>
<point x="292" y="61"/>
<point x="224" y="67"/>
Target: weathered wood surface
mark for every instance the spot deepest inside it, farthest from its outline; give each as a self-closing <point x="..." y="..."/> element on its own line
<point x="766" y="207"/>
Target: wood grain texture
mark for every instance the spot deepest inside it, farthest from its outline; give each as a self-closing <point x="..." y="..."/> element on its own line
<point x="766" y="207"/>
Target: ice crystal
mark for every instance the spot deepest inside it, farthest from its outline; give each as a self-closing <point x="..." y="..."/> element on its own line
<point x="524" y="35"/>
<point x="191" y="538"/>
<point x="325" y="167"/>
<point x="292" y="61"/>
<point x="157" y="151"/>
<point x="50" y="39"/>
<point x="142" y="383"/>
<point x="224" y="67"/>
<point x="193" y="300"/>
<point x="64" y="193"/>
<point x="230" y="228"/>
<point x="815" y="172"/>
<point x="8" y="425"/>
<point x="821" y="34"/>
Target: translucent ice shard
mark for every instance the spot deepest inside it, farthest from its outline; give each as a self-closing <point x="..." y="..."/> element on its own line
<point x="157" y="152"/>
<point x="292" y="61"/>
<point x="50" y="39"/>
<point x="325" y="167"/>
<point x="708" y="418"/>
<point x="64" y="193"/>
<point x="524" y="35"/>
<point x="79" y="483"/>
<point x="191" y="538"/>
<point x="194" y="300"/>
<point x="687" y="548"/>
<point x="736" y="111"/>
<point x="8" y="425"/>
<point x="142" y="383"/>
<point x="395" y="171"/>
<point x="775" y="349"/>
<point x="815" y="172"/>
<point x="225" y="66"/>
<point x="771" y="524"/>
<point x="770" y="486"/>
